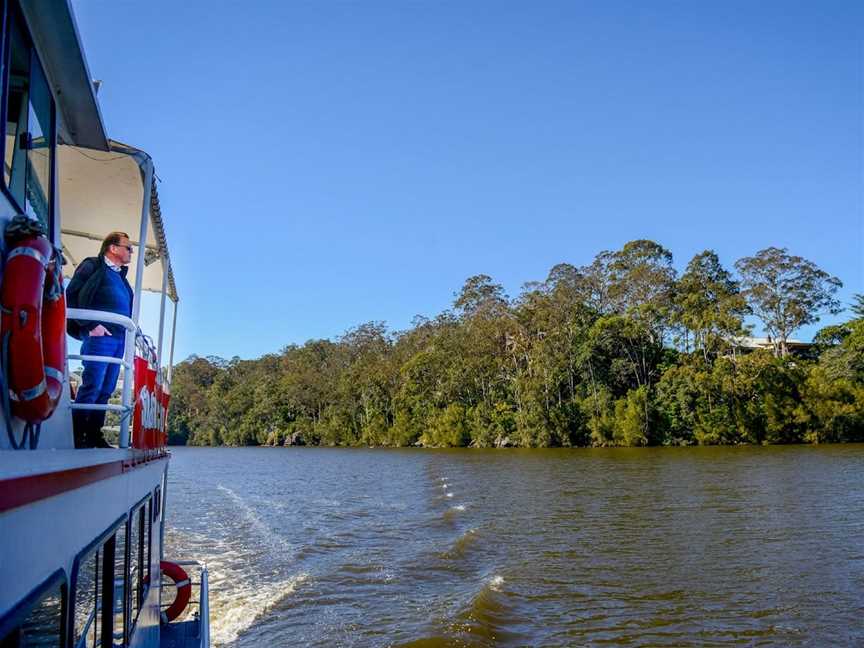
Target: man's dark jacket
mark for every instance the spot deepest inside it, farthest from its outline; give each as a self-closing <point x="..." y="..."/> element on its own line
<point x="93" y="287"/>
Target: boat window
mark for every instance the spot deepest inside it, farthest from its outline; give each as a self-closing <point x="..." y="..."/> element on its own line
<point x="120" y="586"/>
<point x="40" y="124"/>
<point x="132" y="590"/>
<point x="29" y="141"/>
<point x="43" y="625"/>
<point x="148" y="544"/>
<point x="89" y="600"/>
<point x="136" y="561"/>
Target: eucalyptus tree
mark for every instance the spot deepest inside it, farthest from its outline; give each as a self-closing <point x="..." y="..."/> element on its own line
<point x="843" y="353"/>
<point x="786" y="292"/>
<point x="368" y="383"/>
<point x="641" y="283"/>
<point x="189" y="409"/>
<point x="543" y="350"/>
<point x="857" y="307"/>
<point x="308" y="382"/>
<point x="485" y="320"/>
<point x="594" y="283"/>
<point x="429" y="378"/>
<point x="710" y="305"/>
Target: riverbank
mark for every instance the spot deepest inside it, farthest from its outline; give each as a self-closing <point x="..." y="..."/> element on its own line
<point x="661" y="359"/>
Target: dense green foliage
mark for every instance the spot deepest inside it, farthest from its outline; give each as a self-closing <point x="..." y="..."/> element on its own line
<point x="623" y="351"/>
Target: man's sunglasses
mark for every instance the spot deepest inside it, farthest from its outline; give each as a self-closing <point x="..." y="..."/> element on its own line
<point x="128" y="247"/>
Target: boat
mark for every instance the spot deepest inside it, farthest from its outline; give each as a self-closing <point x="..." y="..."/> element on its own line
<point x="82" y="530"/>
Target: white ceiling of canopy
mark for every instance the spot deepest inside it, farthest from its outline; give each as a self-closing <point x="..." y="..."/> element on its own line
<point x="101" y="192"/>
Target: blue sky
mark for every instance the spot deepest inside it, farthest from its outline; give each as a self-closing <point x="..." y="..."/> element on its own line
<point x="324" y="164"/>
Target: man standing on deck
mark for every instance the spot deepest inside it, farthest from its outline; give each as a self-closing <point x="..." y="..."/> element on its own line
<point x="100" y="283"/>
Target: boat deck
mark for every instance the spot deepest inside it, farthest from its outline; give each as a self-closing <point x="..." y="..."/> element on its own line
<point x="181" y="634"/>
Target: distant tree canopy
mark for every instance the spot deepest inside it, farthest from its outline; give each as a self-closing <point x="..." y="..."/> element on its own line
<point x="622" y="351"/>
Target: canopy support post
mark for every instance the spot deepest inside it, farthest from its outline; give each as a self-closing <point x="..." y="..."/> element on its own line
<point x="161" y="320"/>
<point x="171" y="353"/>
<point x="146" y="165"/>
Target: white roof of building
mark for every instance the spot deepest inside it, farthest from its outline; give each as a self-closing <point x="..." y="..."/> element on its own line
<point x="764" y="342"/>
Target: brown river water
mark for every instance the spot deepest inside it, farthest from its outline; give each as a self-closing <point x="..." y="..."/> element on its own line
<point x="665" y="546"/>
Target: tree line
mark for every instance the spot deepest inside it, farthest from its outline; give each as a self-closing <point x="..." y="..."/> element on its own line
<point x="622" y="351"/>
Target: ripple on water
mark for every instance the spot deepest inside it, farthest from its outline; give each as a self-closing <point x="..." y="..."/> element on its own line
<point x="355" y="548"/>
<point x="490" y="618"/>
<point x="462" y="545"/>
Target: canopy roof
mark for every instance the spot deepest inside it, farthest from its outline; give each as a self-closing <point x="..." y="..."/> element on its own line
<point x="103" y="191"/>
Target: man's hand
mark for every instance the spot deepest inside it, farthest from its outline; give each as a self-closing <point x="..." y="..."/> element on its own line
<point x="99" y="331"/>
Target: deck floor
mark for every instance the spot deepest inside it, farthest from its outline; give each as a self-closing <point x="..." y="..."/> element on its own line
<point x="182" y="634"/>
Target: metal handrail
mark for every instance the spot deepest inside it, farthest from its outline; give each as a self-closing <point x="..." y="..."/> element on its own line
<point x="90" y="315"/>
<point x="95" y="407"/>
<point x="204" y="607"/>
<point x="138" y="339"/>
<point x="92" y="358"/>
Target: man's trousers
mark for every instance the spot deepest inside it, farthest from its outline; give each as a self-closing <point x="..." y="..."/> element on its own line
<point x="97" y="384"/>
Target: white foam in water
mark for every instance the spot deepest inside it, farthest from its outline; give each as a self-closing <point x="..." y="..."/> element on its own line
<point x="264" y="533"/>
<point x="449" y="494"/>
<point x="459" y="507"/>
<point x="235" y="608"/>
<point x="496" y="583"/>
<point x="238" y="596"/>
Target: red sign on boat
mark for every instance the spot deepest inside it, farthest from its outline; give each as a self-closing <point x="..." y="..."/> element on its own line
<point x="150" y="418"/>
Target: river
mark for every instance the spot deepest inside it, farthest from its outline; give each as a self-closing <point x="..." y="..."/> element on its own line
<point x="656" y="546"/>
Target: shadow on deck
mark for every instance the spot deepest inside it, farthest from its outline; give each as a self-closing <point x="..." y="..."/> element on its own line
<point x="181" y="634"/>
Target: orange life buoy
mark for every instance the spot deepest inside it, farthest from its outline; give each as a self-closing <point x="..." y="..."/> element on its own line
<point x="184" y="589"/>
<point x="34" y="328"/>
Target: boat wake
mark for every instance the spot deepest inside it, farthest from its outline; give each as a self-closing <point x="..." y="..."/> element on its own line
<point x="263" y="533"/>
<point x="462" y="545"/>
<point x="242" y="590"/>
<point x="486" y="619"/>
<point x="239" y="605"/>
<point x="489" y="617"/>
<point x="238" y="594"/>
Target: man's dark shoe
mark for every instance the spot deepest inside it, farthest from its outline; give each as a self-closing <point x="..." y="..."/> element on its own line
<point x="81" y="428"/>
<point x="96" y="440"/>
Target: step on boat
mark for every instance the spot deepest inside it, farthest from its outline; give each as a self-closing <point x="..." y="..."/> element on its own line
<point x="81" y="530"/>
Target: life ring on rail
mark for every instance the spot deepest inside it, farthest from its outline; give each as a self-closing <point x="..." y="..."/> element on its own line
<point x="184" y="589"/>
<point x="33" y="328"/>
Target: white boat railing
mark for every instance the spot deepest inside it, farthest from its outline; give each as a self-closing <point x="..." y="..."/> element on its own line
<point x="135" y="341"/>
<point x="204" y="607"/>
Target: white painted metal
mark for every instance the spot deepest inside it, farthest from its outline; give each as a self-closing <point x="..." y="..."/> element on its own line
<point x="108" y="407"/>
<point x="204" y="607"/>
<point x="147" y="167"/>
<point x="132" y="332"/>
<point x="92" y="358"/>
<point x="129" y="356"/>
<point x="173" y="336"/>
<point x="39" y="537"/>
<point x="161" y="321"/>
<point x="102" y="316"/>
<point x="43" y="461"/>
